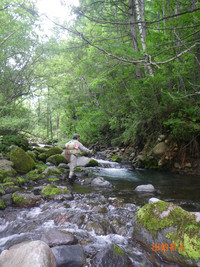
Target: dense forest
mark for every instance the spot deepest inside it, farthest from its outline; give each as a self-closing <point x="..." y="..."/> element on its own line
<point x="123" y="72"/>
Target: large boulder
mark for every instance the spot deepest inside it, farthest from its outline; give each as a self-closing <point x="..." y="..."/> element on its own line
<point x="28" y="254"/>
<point x="170" y="232"/>
<point x="86" y="162"/>
<point x="23" y="163"/>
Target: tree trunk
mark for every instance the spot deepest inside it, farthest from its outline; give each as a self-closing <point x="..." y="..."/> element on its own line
<point x="134" y="33"/>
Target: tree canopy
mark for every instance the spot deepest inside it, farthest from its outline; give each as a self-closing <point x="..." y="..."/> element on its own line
<point x="127" y="71"/>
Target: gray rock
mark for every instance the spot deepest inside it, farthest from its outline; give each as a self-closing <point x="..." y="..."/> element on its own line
<point x="6" y="165"/>
<point x="28" y="254"/>
<point x="83" y="161"/>
<point x="160" y="149"/>
<point x="63" y="165"/>
<point x="99" y="181"/>
<point x="153" y="199"/>
<point x="69" y="256"/>
<point x="54" y="237"/>
<point x="111" y="256"/>
<point x="145" y="188"/>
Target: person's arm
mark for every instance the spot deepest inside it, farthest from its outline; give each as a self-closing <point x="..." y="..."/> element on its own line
<point x="85" y="149"/>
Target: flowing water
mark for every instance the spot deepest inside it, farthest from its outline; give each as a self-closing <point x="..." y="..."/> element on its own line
<point x="99" y="217"/>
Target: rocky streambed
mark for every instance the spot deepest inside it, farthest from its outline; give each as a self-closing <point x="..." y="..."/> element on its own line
<point x="47" y="222"/>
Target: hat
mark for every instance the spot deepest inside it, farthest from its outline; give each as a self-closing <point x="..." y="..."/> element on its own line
<point x="76" y="136"/>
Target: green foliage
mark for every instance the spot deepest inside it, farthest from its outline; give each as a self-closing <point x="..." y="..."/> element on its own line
<point x="12" y="139"/>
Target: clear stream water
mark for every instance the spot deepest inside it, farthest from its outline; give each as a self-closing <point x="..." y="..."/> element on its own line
<point x="175" y="188"/>
<point x="19" y="224"/>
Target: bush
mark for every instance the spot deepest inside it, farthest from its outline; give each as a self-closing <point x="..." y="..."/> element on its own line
<point x="11" y="139"/>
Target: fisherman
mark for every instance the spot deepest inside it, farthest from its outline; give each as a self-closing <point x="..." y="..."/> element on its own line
<point x="73" y="149"/>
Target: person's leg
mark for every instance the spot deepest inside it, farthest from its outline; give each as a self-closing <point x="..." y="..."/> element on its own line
<point x="73" y="163"/>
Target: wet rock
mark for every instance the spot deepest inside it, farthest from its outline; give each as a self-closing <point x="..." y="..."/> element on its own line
<point x="26" y="199"/>
<point x="82" y="161"/>
<point x="72" y="256"/>
<point x="100" y="181"/>
<point x="111" y="256"/>
<point x="28" y="254"/>
<point x="54" y="237"/>
<point x="145" y="188"/>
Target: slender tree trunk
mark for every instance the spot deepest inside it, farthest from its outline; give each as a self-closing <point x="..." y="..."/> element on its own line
<point x="134" y="33"/>
<point x="140" y="10"/>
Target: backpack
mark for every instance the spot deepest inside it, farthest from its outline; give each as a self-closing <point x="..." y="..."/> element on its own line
<point x="67" y="155"/>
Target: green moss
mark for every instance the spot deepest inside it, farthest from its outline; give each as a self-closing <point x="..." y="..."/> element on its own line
<point x="43" y="157"/>
<point x="40" y="149"/>
<point x="54" y="151"/>
<point x="2" y="205"/>
<point x="78" y="169"/>
<point x="34" y="175"/>
<point x="8" y="184"/>
<point x="116" y="158"/>
<point x="3" y="175"/>
<point x="18" y="199"/>
<point x="50" y="190"/>
<point x="22" y="161"/>
<point x="53" y="179"/>
<point x="118" y="251"/>
<point x="50" y="172"/>
<point x="56" y="159"/>
<point x="40" y="167"/>
<point x="20" y="181"/>
<point x="160" y="215"/>
<point x="92" y="163"/>
<point x="32" y="155"/>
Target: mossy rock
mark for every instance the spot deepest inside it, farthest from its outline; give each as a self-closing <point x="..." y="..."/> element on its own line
<point x="116" y="158"/>
<point x="40" y="149"/>
<point x="51" y="190"/>
<point x="54" y="151"/>
<point x="2" y="205"/>
<point x="43" y="157"/>
<point x="92" y="163"/>
<point x="56" y="159"/>
<point x="32" y="155"/>
<point x="17" y="199"/>
<point x="23" y="163"/>
<point x="184" y="228"/>
<point x="34" y="175"/>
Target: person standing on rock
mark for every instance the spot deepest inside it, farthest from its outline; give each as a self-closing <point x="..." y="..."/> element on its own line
<point x="73" y="149"/>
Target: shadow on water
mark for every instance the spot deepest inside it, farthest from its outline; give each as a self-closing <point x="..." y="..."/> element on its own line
<point x="179" y="189"/>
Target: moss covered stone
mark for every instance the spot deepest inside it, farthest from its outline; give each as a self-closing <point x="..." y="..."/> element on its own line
<point x="56" y="159"/>
<point x="32" y="155"/>
<point x="22" y="162"/>
<point x="118" y="251"/>
<point x="92" y="163"/>
<point x="34" y="175"/>
<point x="2" y="205"/>
<point x="50" y="190"/>
<point x="40" y="149"/>
<point x="161" y="215"/>
<point x="54" y="151"/>
<point x="116" y="158"/>
<point x="17" y="199"/>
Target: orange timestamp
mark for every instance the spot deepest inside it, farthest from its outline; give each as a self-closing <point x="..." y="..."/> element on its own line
<point x="166" y="247"/>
